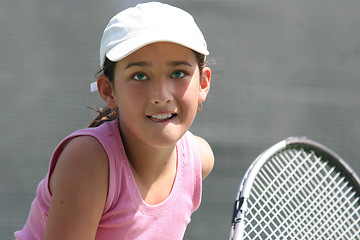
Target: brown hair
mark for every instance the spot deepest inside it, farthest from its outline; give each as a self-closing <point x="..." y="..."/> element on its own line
<point x="106" y="114"/>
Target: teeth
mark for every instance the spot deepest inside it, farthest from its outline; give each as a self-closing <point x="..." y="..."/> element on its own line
<point x="162" y="116"/>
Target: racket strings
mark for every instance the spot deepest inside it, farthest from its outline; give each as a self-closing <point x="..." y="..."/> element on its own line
<point x="320" y="209"/>
<point x="296" y="195"/>
<point x="317" y="206"/>
<point x="295" y="215"/>
<point x="281" y="188"/>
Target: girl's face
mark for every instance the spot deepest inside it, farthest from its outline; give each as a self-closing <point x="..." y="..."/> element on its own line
<point x="157" y="90"/>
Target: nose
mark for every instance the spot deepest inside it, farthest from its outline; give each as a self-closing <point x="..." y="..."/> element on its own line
<point x="161" y="92"/>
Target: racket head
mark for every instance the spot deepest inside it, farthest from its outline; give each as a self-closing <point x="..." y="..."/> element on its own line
<point x="284" y="194"/>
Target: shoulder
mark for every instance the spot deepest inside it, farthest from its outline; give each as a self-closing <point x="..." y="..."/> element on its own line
<point x="206" y="155"/>
<point x="81" y="155"/>
<point x="84" y="152"/>
<point x="79" y="185"/>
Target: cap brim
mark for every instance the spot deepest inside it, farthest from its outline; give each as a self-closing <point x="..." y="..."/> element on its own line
<point x="131" y="45"/>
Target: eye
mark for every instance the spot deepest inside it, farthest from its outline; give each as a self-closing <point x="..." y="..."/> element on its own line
<point x="178" y="74"/>
<point x="140" y="76"/>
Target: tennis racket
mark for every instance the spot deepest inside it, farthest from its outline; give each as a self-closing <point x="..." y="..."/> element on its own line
<point x="297" y="189"/>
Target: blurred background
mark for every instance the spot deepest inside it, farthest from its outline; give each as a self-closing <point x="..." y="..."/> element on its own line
<point x="281" y="68"/>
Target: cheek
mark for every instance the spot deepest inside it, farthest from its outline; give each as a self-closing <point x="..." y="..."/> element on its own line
<point x="193" y="91"/>
<point x="191" y="97"/>
<point x="128" y="95"/>
<point x="189" y="87"/>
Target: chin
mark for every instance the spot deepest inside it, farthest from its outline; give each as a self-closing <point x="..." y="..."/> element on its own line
<point x="164" y="142"/>
<point x="166" y="139"/>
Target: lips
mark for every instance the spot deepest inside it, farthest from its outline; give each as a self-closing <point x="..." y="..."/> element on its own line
<point x="162" y="116"/>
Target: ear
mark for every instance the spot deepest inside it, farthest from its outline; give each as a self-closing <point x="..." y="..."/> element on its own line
<point x="204" y="84"/>
<point x="106" y="91"/>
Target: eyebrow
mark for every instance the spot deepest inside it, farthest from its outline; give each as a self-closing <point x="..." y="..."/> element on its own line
<point x="137" y="64"/>
<point x="146" y="64"/>
<point x="178" y="63"/>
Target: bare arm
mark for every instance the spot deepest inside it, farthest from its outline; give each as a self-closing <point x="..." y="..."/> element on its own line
<point x="79" y="186"/>
<point x="207" y="156"/>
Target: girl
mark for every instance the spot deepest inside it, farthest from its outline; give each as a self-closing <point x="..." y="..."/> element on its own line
<point x="136" y="172"/>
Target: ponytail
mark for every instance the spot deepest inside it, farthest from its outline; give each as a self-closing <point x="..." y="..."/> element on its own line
<point x="104" y="115"/>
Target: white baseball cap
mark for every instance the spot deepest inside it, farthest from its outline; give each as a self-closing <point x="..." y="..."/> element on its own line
<point x="148" y="23"/>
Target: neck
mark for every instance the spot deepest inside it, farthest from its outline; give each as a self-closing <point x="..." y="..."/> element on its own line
<point x="154" y="168"/>
<point x="149" y="162"/>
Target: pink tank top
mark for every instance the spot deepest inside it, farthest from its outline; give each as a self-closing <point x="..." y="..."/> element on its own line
<point x="126" y="215"/>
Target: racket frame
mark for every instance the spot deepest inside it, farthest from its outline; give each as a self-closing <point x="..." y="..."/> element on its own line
<point x="243" y="193"/>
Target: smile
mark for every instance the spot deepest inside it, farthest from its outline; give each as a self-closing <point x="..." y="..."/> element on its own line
<point x="162" y="116"/>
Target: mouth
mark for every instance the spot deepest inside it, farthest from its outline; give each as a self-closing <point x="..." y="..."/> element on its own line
<point x="162" y="117"/>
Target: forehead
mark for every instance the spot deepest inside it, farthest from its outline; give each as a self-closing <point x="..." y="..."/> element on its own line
<point x="161" y="51"/>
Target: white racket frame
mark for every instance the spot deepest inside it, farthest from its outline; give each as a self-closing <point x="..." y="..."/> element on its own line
<point x="240" y="206"/>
